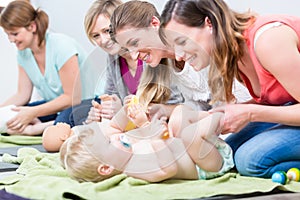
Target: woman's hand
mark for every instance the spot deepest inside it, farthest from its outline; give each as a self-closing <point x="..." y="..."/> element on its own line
<point x="24" y="117"/>
<point x="236" y="117"/>
<point x="94" y="113"/>
<point x="127" y="101"/>
<point x="28" y="130"/>
<point x="111" y="104"/>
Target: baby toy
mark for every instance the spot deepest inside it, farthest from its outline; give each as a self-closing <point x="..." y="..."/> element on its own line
<point x="282" y="177"/>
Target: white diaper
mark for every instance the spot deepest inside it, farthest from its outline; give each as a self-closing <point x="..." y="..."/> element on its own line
<point x="6" y="114"/>
<point x="228" y="163"/>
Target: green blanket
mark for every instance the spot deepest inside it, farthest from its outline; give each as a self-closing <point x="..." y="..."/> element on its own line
<point x="15" y="140"/>
<point x="40" y="176"/>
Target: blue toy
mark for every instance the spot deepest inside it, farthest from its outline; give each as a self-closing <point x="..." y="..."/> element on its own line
<point x="282" y="177"/>
<point x="279" y="177"/>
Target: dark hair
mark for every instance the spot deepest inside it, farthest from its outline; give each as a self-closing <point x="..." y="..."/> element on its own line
<point x="22" y="14"/>
<point x="227" y="26"/>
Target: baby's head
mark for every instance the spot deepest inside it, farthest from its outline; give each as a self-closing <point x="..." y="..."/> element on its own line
<point x="88" y="155"/>
<point x="54" y="136"/>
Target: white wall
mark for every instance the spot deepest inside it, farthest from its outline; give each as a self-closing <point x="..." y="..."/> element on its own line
<point x="267" y="6"/>
<point x="67" y="16"/>
<point x="8" y="67"/>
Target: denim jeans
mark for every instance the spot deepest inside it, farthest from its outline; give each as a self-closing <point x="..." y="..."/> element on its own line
<point x="75" y="115"/>
<point x="43" y="118"/>
<point x="63" y="116"/>
<point x="261" y="149"/>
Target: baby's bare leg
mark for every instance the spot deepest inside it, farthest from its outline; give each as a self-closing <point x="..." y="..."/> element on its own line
<point x="199" y="138"/>
<point x="181" y="117"/>
<point x="36" y="128"/>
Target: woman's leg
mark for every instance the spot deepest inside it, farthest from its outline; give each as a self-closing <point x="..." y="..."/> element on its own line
<point x="235" y="140"/>
<point x="277" y="148"/>
<point x="75" y="115"/>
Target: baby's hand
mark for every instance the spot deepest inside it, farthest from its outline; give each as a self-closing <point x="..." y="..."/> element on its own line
<point x="129" y="101"/>
<point x="135" y="112"/>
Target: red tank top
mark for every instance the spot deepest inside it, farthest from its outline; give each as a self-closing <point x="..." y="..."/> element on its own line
<point x="272" y="92"/>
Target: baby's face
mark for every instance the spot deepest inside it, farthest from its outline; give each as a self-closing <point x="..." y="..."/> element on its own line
<point x="114" y="150"/>
<point x="121" y="142"/>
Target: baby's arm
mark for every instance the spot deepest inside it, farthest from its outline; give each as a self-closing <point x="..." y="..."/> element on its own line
<point x="131" y="111"/>
<point x="152" y="130"/>
<point x="120" y="120"/>
<point x="152" y="161"/>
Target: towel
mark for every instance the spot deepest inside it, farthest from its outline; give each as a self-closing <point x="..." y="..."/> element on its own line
<point x="40" y="176"/>
<point x="15" y="140"/>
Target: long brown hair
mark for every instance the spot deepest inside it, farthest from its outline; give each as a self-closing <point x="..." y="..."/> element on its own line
<point x="228" y="27"/>
<point x="21" y="14"/>
<point x="137" y="14"/>
<point x="154" y="85"/>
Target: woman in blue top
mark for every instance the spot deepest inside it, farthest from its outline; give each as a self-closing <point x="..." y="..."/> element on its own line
<point x="50" y="62"/>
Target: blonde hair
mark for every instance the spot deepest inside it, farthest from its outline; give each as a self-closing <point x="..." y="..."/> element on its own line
<point x="78" y="161"/>
<point x="228" y="27"/>
<point x="99" y="7"/>
<point x="154" y="85"/>
<point x="21" y="14"/>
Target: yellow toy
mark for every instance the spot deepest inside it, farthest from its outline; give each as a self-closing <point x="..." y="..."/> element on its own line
<point x="134" y="101"/>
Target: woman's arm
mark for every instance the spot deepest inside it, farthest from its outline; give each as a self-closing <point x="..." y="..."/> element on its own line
<point x="24" y="90"/>
<point x="70" y="78"/>
<point x="278" y="51"/>
<point x="71" y="84"/>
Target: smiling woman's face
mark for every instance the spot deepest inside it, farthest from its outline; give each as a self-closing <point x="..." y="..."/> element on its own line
<point x="191" y="44"/>
<point x="100" y="34"/>
<point x="144" y="44"/>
